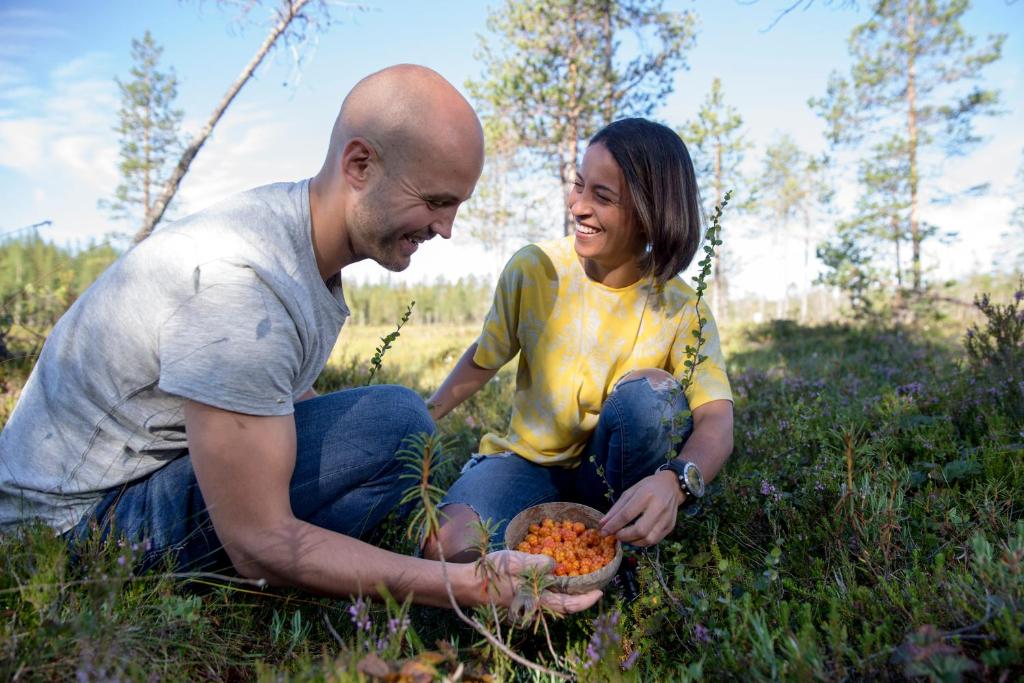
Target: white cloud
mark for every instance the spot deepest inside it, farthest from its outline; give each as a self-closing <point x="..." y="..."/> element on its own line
<point x="70" y="121"/>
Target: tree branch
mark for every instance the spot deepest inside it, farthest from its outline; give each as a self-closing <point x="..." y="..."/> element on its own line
<point x="292" y="10"/>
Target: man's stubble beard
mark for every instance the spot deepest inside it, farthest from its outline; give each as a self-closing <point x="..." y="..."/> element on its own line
<point x="373" y="231"/>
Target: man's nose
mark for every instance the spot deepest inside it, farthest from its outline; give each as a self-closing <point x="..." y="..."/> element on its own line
<point x="443" y="225"/>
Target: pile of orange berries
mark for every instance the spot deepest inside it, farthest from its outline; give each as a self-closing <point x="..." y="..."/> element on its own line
<point x="576" y="549"/>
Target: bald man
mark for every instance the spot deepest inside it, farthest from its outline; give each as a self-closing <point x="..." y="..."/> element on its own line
<point x="173" y="403"/>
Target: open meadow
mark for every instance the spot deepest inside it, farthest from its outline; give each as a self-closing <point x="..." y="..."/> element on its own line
<point x="867" y="526"/>
<point x="205" y="190"/>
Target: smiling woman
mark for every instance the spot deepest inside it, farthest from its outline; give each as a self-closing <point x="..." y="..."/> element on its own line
<point x="602" y="326"/>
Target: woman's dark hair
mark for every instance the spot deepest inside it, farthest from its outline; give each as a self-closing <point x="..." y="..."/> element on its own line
<point x="663" y="192"/>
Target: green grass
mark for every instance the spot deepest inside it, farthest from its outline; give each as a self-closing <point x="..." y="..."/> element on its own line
<point x="868" y="526"/>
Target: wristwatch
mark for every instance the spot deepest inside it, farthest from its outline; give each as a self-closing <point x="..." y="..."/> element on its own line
<point x="691" y="481"/>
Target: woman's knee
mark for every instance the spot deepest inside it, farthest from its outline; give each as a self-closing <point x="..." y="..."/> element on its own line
<point x="650" y="393"/>
<point x="657" y="379"/>
<point x="460" y="537"/>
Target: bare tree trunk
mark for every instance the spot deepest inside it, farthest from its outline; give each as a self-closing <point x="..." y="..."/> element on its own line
<point x="896" y="243"/>
<point x="147" y="152"/>
<point x="718" y="294"/>
<point x="915" y="229"/>
<point x="571" y="153"/>
<point x="292" y="11"/>
<point x="147" y="157"/>
<point x="609" y="52"/>
<point x="806" y="280"/>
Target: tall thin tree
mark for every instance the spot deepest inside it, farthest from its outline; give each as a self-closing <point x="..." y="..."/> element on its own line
<point x="717" y="144"/>
<point x="909" y="59"/>
<point x="554" y="69"/>
<point x="149" y="130"/>
<point x="791" y="187"/>
<point x="292" y="18"/>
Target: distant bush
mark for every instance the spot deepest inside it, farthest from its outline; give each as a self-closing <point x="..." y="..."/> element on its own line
<point x="38" y="282"/>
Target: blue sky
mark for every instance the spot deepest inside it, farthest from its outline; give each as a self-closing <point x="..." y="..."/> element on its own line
<point x="58" y="105"/>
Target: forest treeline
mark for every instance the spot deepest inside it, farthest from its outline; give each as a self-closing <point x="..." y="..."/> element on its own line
<point x="39" y="280"/>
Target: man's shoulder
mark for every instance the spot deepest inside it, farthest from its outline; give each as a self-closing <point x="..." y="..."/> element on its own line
<point x="276" y="199"/>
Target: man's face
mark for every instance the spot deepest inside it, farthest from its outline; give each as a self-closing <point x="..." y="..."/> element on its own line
<point x="409" y="204"/>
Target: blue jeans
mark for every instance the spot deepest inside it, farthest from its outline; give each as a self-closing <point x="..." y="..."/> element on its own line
<point x="346" y="479"/>
<point x="634" y="435"/>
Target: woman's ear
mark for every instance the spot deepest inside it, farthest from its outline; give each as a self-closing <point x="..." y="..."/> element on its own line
<point x="357" y="161"/>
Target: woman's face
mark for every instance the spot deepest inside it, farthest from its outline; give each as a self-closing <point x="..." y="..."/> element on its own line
<point x="605" y="230"/>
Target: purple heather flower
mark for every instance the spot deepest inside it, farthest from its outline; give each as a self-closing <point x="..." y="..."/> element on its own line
<point x="701" y="633"/>
<point x="1018" y="295"/>
<point x="767" y="489"/>
<point x="970" y="334"/>
<point x="912" y="389"/>
<point x="630" y="661"/>
<point x="395" y="625"/>
<point x="360" y="616"/>
<point x="121" y="560"/>
<point x="605" y="635"/>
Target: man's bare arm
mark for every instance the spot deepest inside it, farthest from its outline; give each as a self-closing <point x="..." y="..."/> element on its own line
<point x="244" y="466"/>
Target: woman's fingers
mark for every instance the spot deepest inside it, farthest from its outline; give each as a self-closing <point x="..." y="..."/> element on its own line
<point x="625" y="510"/>
<point x="644" y="515"/>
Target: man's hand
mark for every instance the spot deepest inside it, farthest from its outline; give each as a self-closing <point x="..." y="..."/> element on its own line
<point x="510" y="565"/>
<point x="646" y="512"/>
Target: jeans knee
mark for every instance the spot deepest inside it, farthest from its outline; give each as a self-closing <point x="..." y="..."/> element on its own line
<point x="648" y="395"/>
<point x="406" y="409"/>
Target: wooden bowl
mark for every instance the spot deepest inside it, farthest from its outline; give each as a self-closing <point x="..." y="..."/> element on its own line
<point x="517" y="529"/>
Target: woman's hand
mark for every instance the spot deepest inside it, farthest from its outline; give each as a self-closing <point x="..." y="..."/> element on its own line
<point x="645" y="512"/>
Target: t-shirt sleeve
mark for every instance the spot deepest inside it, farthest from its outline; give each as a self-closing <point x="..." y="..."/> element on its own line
<point x="232" y="346"/>
<point x="710" y="381"/>
<point x="498" y="342"/>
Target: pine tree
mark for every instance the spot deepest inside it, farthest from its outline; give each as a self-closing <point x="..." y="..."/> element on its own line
<point x="717" y="145"/>
<point x="791" y="187"/>
<point x="909" y="59"/>
<point x="504" y="209"/>
<point x="149" y="130"/>
<point x="554" y="72"/>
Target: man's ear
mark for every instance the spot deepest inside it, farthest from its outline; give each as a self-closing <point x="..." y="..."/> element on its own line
<point x="358" y="159"/>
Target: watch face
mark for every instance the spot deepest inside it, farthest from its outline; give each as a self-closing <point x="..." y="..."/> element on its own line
<point x="694" y="480"/>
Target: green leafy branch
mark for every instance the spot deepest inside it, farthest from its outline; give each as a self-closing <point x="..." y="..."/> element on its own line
<point x="386" y="341"/>
<point x="712" y="239"/>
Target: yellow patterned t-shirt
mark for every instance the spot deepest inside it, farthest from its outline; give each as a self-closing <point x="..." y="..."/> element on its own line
<point x="576" y="338"/>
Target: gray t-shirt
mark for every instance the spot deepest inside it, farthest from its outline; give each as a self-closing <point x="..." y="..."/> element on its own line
<point x="226" y="307"/>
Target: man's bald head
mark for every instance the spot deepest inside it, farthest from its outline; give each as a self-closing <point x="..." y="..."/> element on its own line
<point x="406" y="112"/>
